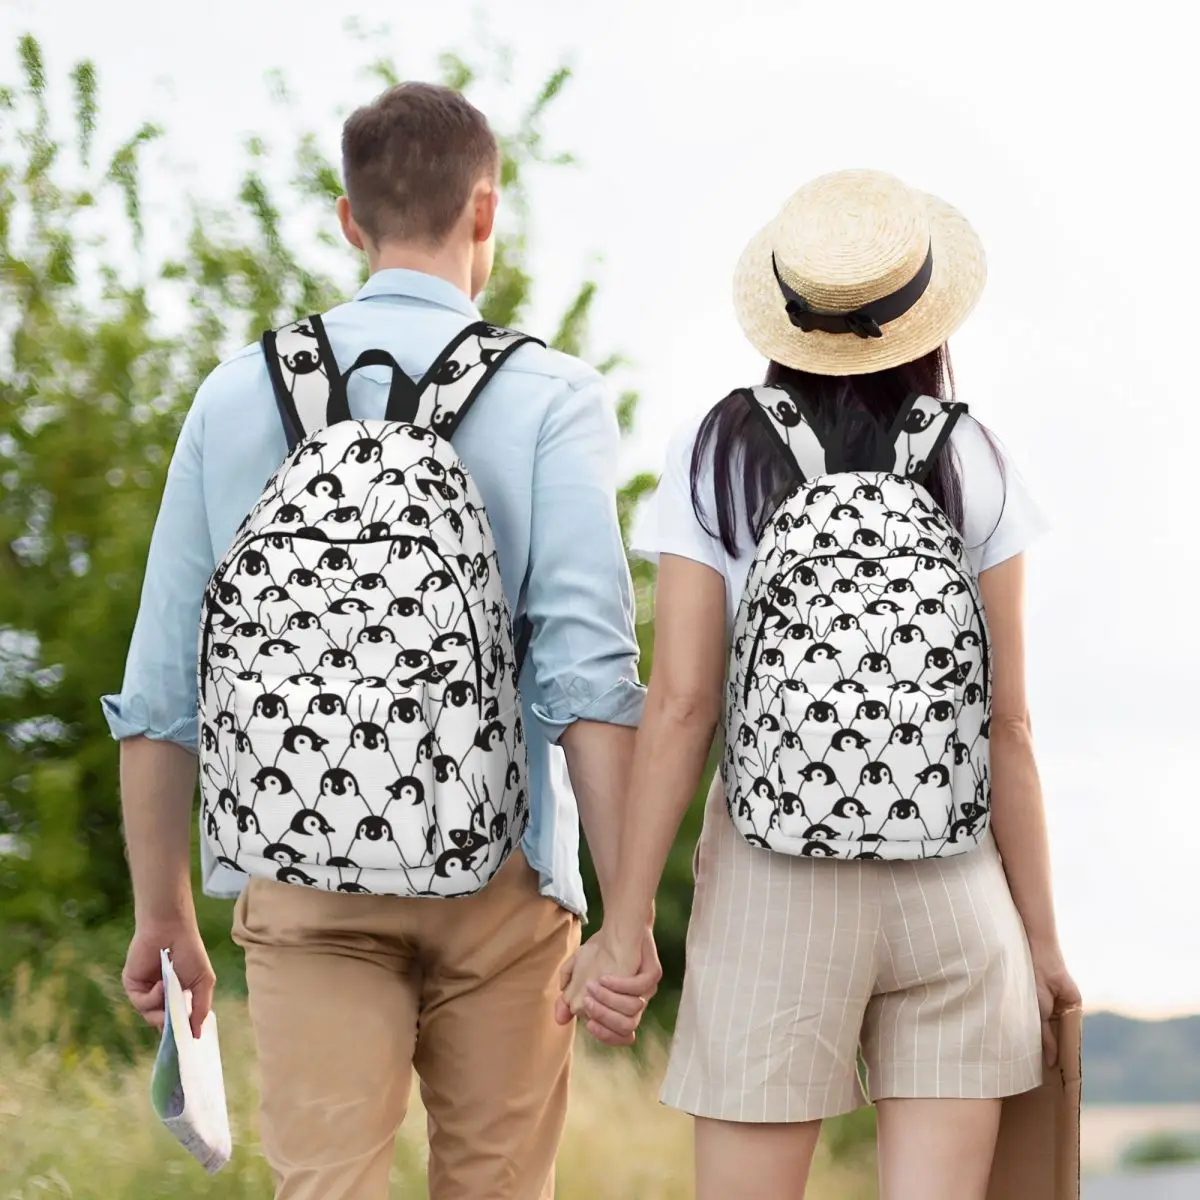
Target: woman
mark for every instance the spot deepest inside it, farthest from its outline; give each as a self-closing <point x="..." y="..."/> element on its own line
<point x="873" y="874"/>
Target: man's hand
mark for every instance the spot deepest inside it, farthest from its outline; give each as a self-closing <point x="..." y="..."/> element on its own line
<point x="609" y="988"/>
<point x="142" y="977"/>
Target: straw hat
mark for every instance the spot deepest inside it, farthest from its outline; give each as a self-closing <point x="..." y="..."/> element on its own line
<point x="858" y="272"/>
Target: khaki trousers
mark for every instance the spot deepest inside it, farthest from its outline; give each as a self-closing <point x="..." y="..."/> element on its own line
<point x="350" y="993"/>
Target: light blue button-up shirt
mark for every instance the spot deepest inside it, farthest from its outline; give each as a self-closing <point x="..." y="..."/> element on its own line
<point x="542" y="445"/>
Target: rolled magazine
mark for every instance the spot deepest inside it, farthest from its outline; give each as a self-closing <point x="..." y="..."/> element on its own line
<point x="187" y="1088"/>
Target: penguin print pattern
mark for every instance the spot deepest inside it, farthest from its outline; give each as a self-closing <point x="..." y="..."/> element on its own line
<point x="360" y="727"/>
<point x="858" y="697"/>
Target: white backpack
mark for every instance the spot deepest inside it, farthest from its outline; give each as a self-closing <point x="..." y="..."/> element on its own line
<point x="858" y="703"/>
<point x="360" y="728"/>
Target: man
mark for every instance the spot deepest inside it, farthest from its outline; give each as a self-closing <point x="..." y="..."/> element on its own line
<point x="349" y="993"/>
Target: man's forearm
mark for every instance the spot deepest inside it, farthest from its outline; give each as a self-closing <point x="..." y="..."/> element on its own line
<point x="598" y="760"/>
<point x="158" y="780"/>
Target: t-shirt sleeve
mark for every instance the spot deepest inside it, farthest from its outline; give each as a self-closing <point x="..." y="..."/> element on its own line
<point x="1000" y="517"/>
<point x="667" y="522"/>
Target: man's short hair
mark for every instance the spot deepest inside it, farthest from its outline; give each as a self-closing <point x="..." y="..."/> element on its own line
<point x="410" y="159"/>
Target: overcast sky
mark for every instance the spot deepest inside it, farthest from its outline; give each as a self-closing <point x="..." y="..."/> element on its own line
<point x="1067" y="136"/>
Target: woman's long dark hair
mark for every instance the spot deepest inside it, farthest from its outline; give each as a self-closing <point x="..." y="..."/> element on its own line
<point x="860" y="407"/>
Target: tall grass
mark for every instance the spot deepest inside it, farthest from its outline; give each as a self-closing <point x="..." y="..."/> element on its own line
<point x="76" y="1123"/>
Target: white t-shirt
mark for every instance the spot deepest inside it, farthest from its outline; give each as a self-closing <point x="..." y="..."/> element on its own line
<point x="1000" y="518"/>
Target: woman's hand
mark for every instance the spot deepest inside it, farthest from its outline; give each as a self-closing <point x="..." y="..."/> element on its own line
<point x="1056" y="992"/>
<point x="609" y="985"/>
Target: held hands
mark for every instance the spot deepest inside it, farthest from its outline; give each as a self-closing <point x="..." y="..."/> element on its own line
<point x="609" y="985"/>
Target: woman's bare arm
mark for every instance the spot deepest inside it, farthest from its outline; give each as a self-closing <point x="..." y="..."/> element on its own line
<point x="683" y="707"/>
<point x="1018" y="814"/>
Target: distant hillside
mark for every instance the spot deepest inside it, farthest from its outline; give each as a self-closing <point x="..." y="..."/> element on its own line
<point x="1141" y="1062"/>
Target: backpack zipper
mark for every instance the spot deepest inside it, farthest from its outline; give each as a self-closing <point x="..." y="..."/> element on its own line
<point x="972" y="593"/>
<point x="233" y="555"/>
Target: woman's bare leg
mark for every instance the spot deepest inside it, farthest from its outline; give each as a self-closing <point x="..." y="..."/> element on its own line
<point x="936" y="1149"/>
<point x="753" y="1161"/>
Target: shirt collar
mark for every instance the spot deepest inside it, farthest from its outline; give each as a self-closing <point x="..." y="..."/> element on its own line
<point x="416" y="285"/>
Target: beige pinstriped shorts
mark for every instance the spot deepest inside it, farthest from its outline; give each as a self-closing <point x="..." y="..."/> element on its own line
<point x="794" y="965"/>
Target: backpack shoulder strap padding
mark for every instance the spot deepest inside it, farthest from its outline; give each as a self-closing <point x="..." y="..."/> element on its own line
<point x="304" y="376"/>
<point x="310" y="390"/>
<point x="792" y="428"/>
<point x="922" y="429"/>
<point x="462" y="370"/>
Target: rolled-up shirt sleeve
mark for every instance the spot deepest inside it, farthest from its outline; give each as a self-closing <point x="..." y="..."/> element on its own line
<point x="158" y="697"/>
<point x="579" y="595"/>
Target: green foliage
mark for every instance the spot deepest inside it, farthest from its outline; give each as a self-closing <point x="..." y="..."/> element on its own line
<point x="1162" y="1149"/>
<point x="93" y="386"/>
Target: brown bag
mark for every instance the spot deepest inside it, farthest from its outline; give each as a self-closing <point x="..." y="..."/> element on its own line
<point x="1037" y="1153"/>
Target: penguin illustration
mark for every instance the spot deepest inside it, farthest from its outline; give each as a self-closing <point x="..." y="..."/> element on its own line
<point x="336" y="519"/>
<point x="869" y="539"/>
<point x="958" y="603"/>
<point x="849" y="752"/>
<point x="789" y="815"/>
<point x="408" y="790"/>
<point x="847" y="818"/>
<point x="246" y="637"/>
<point x="441" y="601"/>
<point x="304" y="588"/>
<point x="337" y="664"/>
<point x="251" y="563"/>
<point x="407" y="621"/>
<point x="311" y="835"/>
<point x="283" y="854"/>
<point x="275" y="608"/>
<point x="325" y="487"/>
<point x="413" y="667"/>
<point x="769" y="670"/>
<point x="302" y="754"/>
<point x="932" y="793"/>
<point x="374" y="639"/>
<point x="336" y="568"/>
<point x="907" y="650"/>
<point x="903" y="823"/>
<point x="456" y="650"/>
<point x="411" y="521"/>
<point x="445" y="770"/>
<point x="363" y="452"/>
<point x="344" y="619"/>
<point x="339" y="787"/>
<point x="869" y="711"/>
<point x="293" y="875"/>
<point x="939" y="670"/>
<point x="818" y="786"/>
<point x="406" y="710"/>
<point x="877" y="788"/>
<point x="251" y="839"/>
<point x="458" y="863"/>
<point x="272" y="783"/>
<point x="878" y="622"/>
<point x="367" y="756"/>
<point x="819" y="833"/>
<point x="326" y="705"/>
<point x="875" y="670"/>
<point x="818" y="849"/>
<point x="277" y="656"/>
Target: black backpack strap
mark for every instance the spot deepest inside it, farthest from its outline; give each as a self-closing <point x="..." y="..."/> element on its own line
<point x="923" y="427"/>
<point x="304" y="377"/>
<point x="792" y="428"/>
<point x="461" y="372"/>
